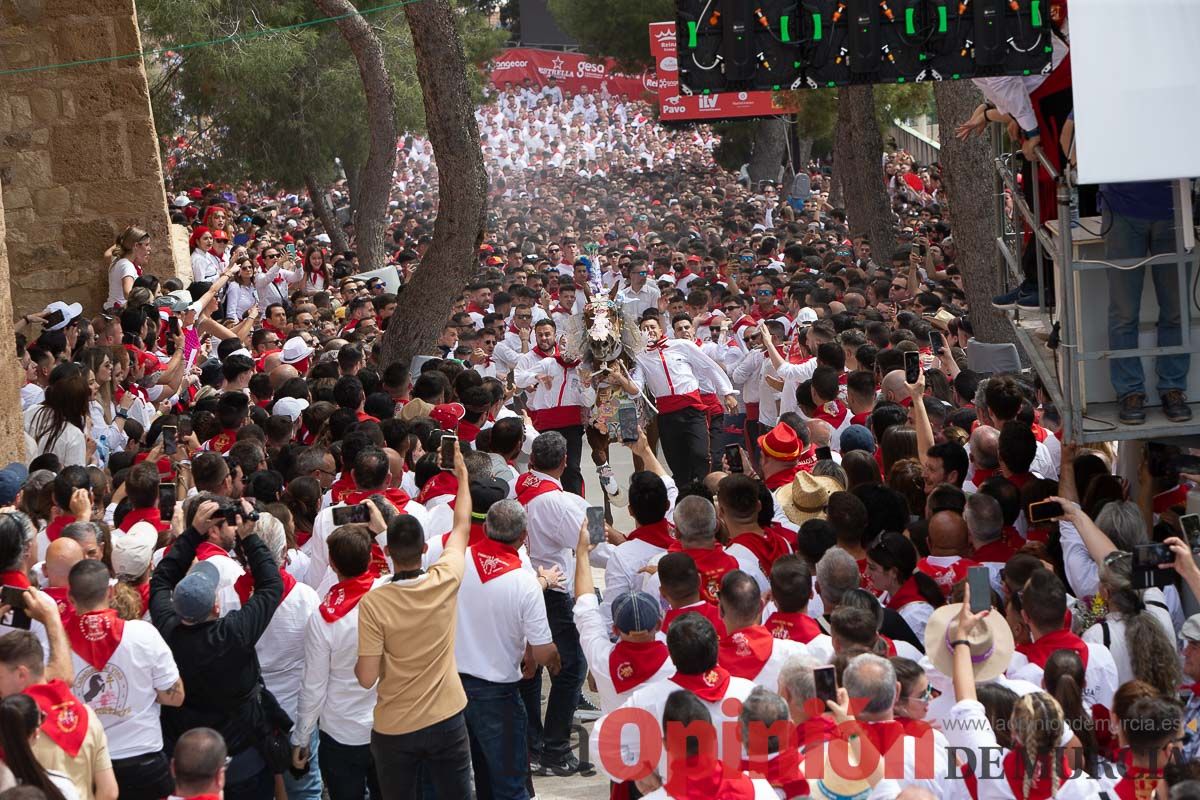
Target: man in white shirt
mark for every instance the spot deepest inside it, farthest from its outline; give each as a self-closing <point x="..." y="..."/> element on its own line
<point x="332" y="703"/>
<point x="124" y="671"/>
<point x="555" y="397"/>
<point x="748" y="650"/>
<point x="502" y="634"/>
<point x="640" y="294"/>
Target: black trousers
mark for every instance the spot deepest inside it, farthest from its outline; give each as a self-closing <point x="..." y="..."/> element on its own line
<point x="439" y="755"/>
<point x="144" y="777"/>
<point x="572" y="478"/>
<point x="684" y="438"/>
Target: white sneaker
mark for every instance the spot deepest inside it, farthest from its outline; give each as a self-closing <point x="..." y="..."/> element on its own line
<point x="610" y="486"/>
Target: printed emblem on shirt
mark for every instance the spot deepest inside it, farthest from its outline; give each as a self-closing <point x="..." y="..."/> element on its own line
<point x="491" y="564"/>
<point x="711" y="678"/>
<point x="106" y="690"/>
<point x="625" y="671"/>
<point x="742" y="647"/>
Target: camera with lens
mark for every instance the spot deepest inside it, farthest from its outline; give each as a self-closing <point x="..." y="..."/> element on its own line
<point x="233" y="513"/>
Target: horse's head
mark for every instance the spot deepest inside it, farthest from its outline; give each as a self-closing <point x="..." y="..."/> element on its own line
<point x="602" y="326"/>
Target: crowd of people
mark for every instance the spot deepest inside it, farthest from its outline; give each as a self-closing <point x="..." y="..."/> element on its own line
<point x="315" y="573"/>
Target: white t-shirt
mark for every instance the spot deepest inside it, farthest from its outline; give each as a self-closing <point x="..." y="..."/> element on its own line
<point x="280" y="643"/>
<point x="123" y="694"/>
<point x="121" y="269"/>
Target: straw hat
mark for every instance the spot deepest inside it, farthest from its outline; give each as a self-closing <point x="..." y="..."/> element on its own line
<point x="806" y="496"/>
<point x="991" y="644"/>
<point x="832" y="786"/>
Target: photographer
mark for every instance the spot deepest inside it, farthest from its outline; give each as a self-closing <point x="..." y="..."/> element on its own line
<point x="216" y="654"/>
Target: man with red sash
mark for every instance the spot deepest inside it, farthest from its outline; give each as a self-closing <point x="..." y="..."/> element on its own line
<point x="61" y="556"/>
<point x="696" y="523"/>
<point x="755" y="548"/>
<point x="232" y="409"/>
<point x="679" y="585"/>
<point x="826" y="390"/>
<point x="791" y="591"/>
<point x="141" y="487"/>
<point x="371" y="475"/>
<point x="748" y="649"/>
<point x="693" y="647"/>
<point x="555" y="396"/>
<point x="198" y="764"/>
<point x="1152" y="744"/>
<point x="217" y="542"/>
<point x="553" y="518"/>
<point x="329" y="693"/>
<point x="125" y="672"/>
<point x="485" y="493"/>
<point x="1016" y="449"/>
<point x="1043" y="606"/>
<point x="72" y="739"/>
<point x="72" y="495"/>
<point x="502" y="634"/>
<point x="985" y="525"/>
<point x="948" y="544"/>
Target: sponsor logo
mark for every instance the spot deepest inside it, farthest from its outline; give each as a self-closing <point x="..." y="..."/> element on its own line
<point x="511" y="64"/>
<point x="587" y="68"/>
<point x="708" y="102"/>
<point x="665" y="33"/>
<point x="741" y="95"/>
<point x="669" y="64"/>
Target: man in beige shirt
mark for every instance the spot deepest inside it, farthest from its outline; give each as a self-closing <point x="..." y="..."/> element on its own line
<point x="406" y="651"/>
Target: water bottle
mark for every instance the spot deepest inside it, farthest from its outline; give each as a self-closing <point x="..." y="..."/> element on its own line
<point x="102" y="449"/>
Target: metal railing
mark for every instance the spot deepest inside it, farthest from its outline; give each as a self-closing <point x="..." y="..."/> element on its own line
<point x="923" y="149"/>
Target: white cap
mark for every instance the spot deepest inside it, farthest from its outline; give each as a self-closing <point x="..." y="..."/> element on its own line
<point x="181" y="201"/>
<point x="290" y="407"/>
<point x="294" y="350"/>
<point x="806" y="315"/>
<point x="132" y="550"/>
<point x="70" y="312"/>
<point x="323" y="238"/>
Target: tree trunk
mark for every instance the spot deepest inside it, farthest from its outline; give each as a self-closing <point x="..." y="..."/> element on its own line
<point x="375" y="182"/>
<point x="451" y="259"/>
<point x="968" y="177"/>
<point x="803" y="153"/>
<point x="320" y="200"/>
<point x="857" y="161"/>
<point x="770" y="146"/>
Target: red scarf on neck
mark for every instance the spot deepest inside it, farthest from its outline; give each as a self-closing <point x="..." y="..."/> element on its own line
<point x="633" y="663"/>
<point x="997" y="552"/>
<point x="62" y="600"/>
<point x="782" y="772"/>
<point x="907" y="593"/>
<point x="1138" y="784"/>
<point x="55" y="528"/>
<point x="207" y="550"/>
<point x="705" y="778"/>
<point x="709" y="686"/>
<point x="137" y="515"/>
<point x="982" y="475"/>
<point x="342" y="485"/>
<point x="440" y="484"/>
<point x="493" y="559"/>
<point x="1014" y="772"/>
<point x="66" y="720"/>
<point x="244" y="586"/>
<point x="746" y="651"/>
<point x="782" y="478"/>
<point x="712" y="566"/>
<point x="557" y="355"/>
<point x="16" y="578"/>
<point x="397" y="497"/>
<point x="703" y="608"/>
<point x="530" y="486"/>
<point x="344" y="596"/>
<point x="833" y="412"/>
<point x="1040" y="651"/>
<point x="796" y="626"/>
<point x="766" y="547"/>
<point x="659" y="534"/>
<point x="95" y="636"/>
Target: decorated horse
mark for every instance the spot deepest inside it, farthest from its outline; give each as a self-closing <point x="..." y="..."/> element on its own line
<point x="604" y="338"/>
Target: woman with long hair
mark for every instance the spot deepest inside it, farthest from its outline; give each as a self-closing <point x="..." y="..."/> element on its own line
<point x="1139" y="640"/>
<point x="912" y="703"/>
<point x="20" y="723"/>
<point x="303" y="499"/>
<point x="892" y="567"/>
<point x="899" y="442"/>
<point x="108" y="417"/>
<point x="1064" y="680"/>
<point x="205" y="266"/>
<point x="908" y="478"/>
<point x="57" y="425"/>
<point x="317" y="276"/>
<point x="860" y="468"/>
<point x="127" y="258"/>
<point x="240" y="295"/>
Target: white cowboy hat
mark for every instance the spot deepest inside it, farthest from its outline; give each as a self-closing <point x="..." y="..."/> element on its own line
<point x="991" y="644"/>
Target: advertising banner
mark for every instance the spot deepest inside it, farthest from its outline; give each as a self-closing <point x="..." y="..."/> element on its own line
<point x="574" y="72"/>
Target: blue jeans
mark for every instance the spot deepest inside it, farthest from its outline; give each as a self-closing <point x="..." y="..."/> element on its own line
<point x="308" y="785"/>
<point x="550" y="743"/>
<point x="496" y="723"/>
<point x="348" y="770"/>
<point x="1137" y="238"/>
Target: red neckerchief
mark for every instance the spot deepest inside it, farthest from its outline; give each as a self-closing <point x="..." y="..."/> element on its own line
<point x="343" y="484"/>
<point x="207" y="550"/>
<point x="782" y="478"/>
<point x="378" y="566"/>
<point x="473" y="308"/>
<point x="1164" y="501"/>
<point x="1039" y="432"/>
<point x="1138" y="783"/>
<point x="440" y="484"/>
<point x="1020" y="479"/>
<point x="864" y="580"/>
<point x="946" y="577"/>
<point x="137" y="515"/>
<point x="659" y="534"/>
<point x="493" y="559"/>
<point x="302" y="537"/>
<point x="15" y="578"/>
<point x="244" y="586"/>
<point x="833" y="412"/>
<point x="981" y="475"/>
<point x="223" y="441"/>
<point x="766" y="547"/>
<point x="712" y="566"/>
<point x="709" y="686"/>
<point x="705" y="609"/>
<point x="61" y="597"/>
<point x="796" y="626"/>
<point x="1014" y="772"/>
<point x="1040" y="651"/>
<point x="344" y="596"/>
<point x="907" y="593"/>
<point x="634" y="663"/>
<point x="66" y="721"/>
<point x="396" y="496"/>
<point x="744" y="652"/>
<point x="365" y="417"/>
<point x="661" y="344"/>
<point x="95" y="636"/>
<point x="860" y="419"/>
<point x="558" y="356"/>
<point x="530" y="486"/>
<point x="55" y="528"/>
<point x="261" y="362"/>
<point x="816" y="730"/>
<point x="477" y="534"/>
<point x="143" y="590"/>
<point x="782" y="771"/>
<point x="705" y="778"/>
<point x="997" y="552"/>
<point x="883" y="734"/>
<point x="468" y="432"/>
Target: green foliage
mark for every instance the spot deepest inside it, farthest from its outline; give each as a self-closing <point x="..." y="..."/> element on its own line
<point x="902" y="101"/>
<point x="282" y="105"/>
<point x="618" y="29"/>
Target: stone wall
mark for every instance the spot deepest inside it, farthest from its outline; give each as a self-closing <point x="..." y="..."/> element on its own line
<point x="12" y="435"/>
<point x="78" y="151"/>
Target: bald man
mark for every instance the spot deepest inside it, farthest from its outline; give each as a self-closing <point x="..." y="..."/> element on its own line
<point x="61" y="555"/>
<point x="893" y="387"/>
<point x="984" y="452"/>
<point x="272" y="363"/>
<point x="819" y="433"/>
<point x="282" y="374"/>
<point x="395" y="467"/>
<point x="948" y="542"/>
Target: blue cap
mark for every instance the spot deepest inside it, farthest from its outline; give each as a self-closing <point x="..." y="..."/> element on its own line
<point x="195" y="595"/>
<point x="12" y="478"/>
<point x="857" y="437"/>
<point x="636" y="611"/>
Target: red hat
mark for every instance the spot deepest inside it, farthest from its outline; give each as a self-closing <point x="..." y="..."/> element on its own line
<point x="780" y="443"/>
<point x="295" y="211"/>
<point x="195" y="194"/>
<point x="693" y="259"/>
<point x="147" y="360"/>
<point x="197" y="233"/>
<point x="448" y="415"/>
<point x="486" y="248"/>
<point x="493" y="261"/>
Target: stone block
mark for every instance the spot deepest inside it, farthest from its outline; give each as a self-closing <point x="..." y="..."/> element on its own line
<point x="31" y="169"/>
<point x="76" y="152"/>
<point x="87" y="240"/>
<point x="52" y="202"/>
<point x="83" y="41"/>
<point x="44" y="103"/>
<point x="17" y="197"/>
<point x="113" y="153"/>
<point x="22" y="114"/>
<point x="17" y="141"/>
<point x="125" y="34"/>
<point x="34" y="277"/>
<point x="143" y="149"/>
